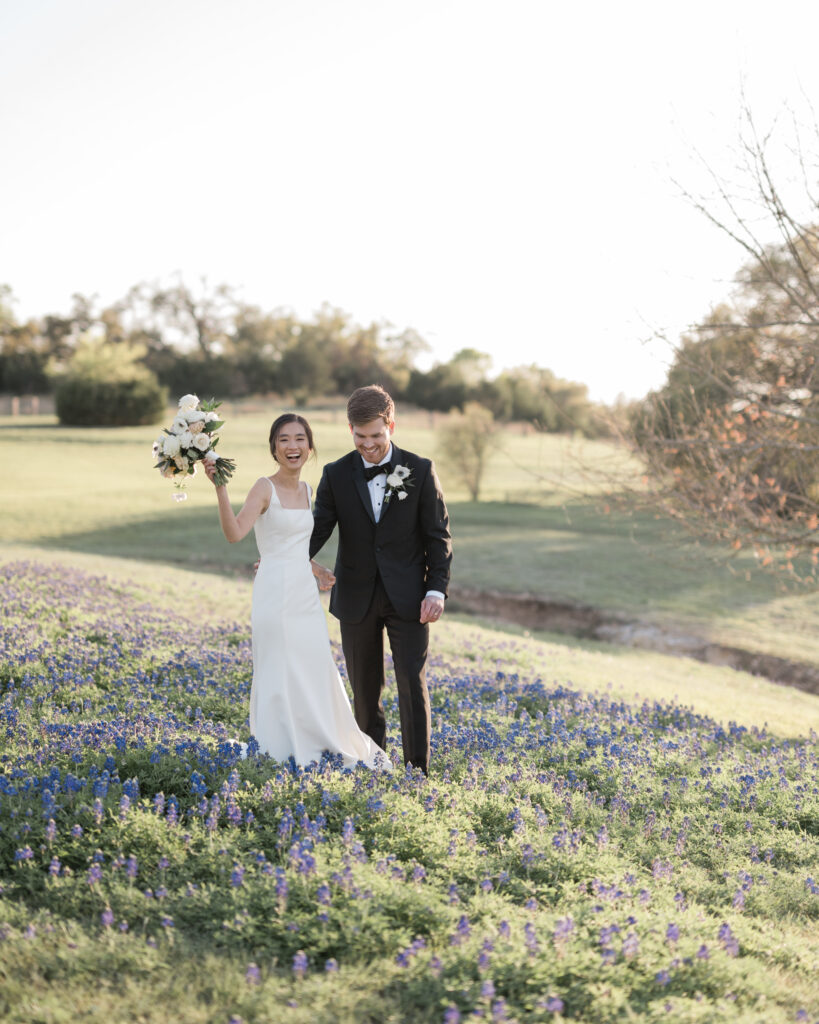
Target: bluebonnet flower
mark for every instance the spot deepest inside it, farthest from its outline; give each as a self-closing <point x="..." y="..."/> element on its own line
<point x="299" y="966"/>
<point x="331" y="965"/>
<point x="728" y="940"/>
<point x="252" y="974"/>
<point x="631" y="945"/>
<point x="462" y="931"/>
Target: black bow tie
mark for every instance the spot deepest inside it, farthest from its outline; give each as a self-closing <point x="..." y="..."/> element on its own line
<point x="371" y="472"/>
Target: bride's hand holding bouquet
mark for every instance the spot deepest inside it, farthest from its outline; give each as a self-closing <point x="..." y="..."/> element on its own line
<point x="192" y="439"/>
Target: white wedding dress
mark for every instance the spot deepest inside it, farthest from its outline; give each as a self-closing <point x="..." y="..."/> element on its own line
<point x="298" y="704"/>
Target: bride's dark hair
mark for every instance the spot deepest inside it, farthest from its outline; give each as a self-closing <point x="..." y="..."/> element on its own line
<point x="282" y="421"/>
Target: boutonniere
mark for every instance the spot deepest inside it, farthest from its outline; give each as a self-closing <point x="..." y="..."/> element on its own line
<point x="397" y="482"/>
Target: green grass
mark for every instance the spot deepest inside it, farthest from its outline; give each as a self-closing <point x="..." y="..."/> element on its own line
<point x="462" y="641"/>
<point x="545" y="807"/>
<point x="547" y="524"/>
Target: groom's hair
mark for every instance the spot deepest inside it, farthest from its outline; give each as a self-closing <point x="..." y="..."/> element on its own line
<point x="370" y="403"/>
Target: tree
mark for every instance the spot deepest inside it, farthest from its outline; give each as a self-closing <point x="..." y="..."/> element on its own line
<point x="449" y="385"/>
<point x="105" y="384"/>
<point x="535" y="394"/>
<point x="731" y="443"/>
<point x="466" y="440"/>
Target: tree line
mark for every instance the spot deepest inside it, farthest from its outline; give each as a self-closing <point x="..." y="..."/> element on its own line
<point x="205" y="339"/>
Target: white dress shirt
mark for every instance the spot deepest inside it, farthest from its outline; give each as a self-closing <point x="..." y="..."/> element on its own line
<point x="378" y="488"/>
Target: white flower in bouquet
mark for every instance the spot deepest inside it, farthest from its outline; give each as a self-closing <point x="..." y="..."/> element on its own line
<point x="170" y="446"/>
<point x="191" y="439"/>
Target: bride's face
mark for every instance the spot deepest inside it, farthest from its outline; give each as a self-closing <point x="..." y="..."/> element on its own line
<point x="292" y="446"/>
<point x="372" y="439"/>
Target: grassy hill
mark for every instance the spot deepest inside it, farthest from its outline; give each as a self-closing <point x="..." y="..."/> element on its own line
<point x="548" y="524"/>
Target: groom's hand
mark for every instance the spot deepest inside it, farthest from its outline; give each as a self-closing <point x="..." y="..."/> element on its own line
<point x="432" y="608"/>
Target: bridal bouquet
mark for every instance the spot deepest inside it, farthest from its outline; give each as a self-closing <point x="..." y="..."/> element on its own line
<point x="192" y="439"/>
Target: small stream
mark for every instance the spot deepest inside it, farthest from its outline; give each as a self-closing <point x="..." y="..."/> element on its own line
<point x="591" y="623"/>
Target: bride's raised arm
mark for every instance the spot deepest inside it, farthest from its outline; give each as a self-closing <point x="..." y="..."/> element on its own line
<point x="236" y="527"/>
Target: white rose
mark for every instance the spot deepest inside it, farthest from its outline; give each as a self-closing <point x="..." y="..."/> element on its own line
<point x="202" y="442"/>
<point x="170" y="445"/>
<point x="394" y="480"/>
<point x="188" y="402"/>
<point x="186" y="439"/>
<point x="211" y="456"/>
<point x="197" y="427"/>
<point x="402" y="495"/>
<point x="402" y="472"/>
<point x="211" y="416"/>
<point x="179" y="425"/>
<point x="192" y="415"/>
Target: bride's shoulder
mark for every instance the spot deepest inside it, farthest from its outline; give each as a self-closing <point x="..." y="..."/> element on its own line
<point x="263" y="490"/>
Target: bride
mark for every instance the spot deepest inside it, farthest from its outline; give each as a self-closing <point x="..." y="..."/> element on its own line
<point x="298" y="704"/>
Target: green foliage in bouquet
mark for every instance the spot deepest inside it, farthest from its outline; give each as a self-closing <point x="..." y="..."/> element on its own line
<point x="192" y="439"/>
<point x="105" y="385"/>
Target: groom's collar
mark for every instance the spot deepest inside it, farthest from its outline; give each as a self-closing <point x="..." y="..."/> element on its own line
<point x="387" y="457"/>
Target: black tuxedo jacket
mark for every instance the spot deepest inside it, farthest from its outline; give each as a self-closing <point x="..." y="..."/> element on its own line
<point x="409" y="547"/>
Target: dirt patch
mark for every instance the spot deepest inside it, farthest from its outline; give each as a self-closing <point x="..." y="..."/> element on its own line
<point x="594" y="624"/>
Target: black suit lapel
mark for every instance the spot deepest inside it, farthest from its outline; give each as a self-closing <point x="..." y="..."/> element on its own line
<point x="361" y="485"/>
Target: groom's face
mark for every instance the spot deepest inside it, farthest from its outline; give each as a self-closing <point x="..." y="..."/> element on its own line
<point x="372" y="439"/>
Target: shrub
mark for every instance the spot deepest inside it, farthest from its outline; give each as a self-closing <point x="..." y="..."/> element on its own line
<point x="106" y="385"/>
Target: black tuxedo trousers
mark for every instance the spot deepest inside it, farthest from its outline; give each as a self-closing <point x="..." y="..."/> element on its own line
<point x="383" y="570"/>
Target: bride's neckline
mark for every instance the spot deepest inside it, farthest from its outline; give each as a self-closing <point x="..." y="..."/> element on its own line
<point x="292" y="508"/>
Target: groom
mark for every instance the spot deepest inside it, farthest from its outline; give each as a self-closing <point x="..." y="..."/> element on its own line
<point x="392" y="567"/>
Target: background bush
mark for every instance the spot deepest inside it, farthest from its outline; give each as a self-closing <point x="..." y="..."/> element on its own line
<point x="105" y="385"/>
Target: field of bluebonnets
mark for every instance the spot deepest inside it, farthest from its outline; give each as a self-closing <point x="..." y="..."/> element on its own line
<point x="571" y="857"/>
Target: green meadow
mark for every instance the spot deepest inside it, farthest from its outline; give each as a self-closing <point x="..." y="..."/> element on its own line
<point x="551" y="523"/>
<point x="607" y="833"/>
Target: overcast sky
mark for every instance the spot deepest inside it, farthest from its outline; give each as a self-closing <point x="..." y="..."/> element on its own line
<point x="497" y="175"/>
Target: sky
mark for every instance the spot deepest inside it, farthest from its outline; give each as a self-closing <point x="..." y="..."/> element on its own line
<point x="503" y="175"/>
